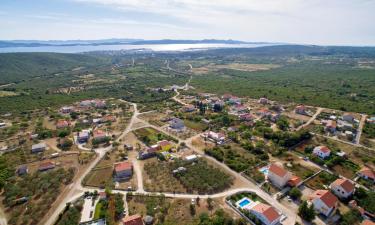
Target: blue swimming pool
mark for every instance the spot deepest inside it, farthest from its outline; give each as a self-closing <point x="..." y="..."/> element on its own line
<point x="244" y="203"/>
<point x="264" y="170"/>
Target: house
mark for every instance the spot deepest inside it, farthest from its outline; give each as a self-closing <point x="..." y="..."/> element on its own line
<point x="263" y="112"/>
<point x="102" y="195"/>
<point x="371" y="120"/>
<point x="246" y="117"/>
<point x="226" y="97"/>
<point x="98" y="103"/>
<point x="330" y="126"/>
<point x="83" y="136"/>
<point x="99" y="135"/>
<point x="177" y="124"/>
<point x="218" y="138"/>
<point x="342" y="188"/>
<point x="263" y="101"/>
<point x="108" y="119"/>
<point x="278" y="175"/>
<point x="238" y="109"/>
<point x="348" y="117"/>
<point x="234" y="100"/>
<point x="47" y="165"/>
<point x="322" y="151"/>
<point x="367" y="174"/>
<point x="164" y="145"/>
<point x="344" y="125"/>
<point x="323" y="201"/>
<point x="66" y="109"/>
<point x="266" y="213"/>
<point x="61" y="124"/>
<point x="22" y="170"/>
<point x="133" y="220"/>
<point x="38" y="148"/>
<point x="300" y="109"/>
<point x="123" y="170"/>
<point x="149" y="152"/>
<point x="188" y="108"/>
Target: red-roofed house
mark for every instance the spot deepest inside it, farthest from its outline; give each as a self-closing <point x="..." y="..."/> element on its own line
<point x="61" y="124"/>
<point x="324" y="201"/>
<point x="343" y="188"/>
<point x="265" y="213"/>
<point x="123" y="170"/>
<point x="133" y="220"/>
<point x="99" y="135"/>
<point x="300" y="109"/>
<point x="263" y="101"/>
<point x="278" y="175"/>
<point x="331" y="126"/>
<point x="165" y="145"/>
<point x="47" y="165"/>
<point x="367" y="173"/>
<point x="322" y="151"/>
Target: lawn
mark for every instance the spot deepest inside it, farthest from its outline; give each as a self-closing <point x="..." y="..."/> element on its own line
<point x="236" y="197"/>
<point x="301" y="171"/>
<point x="199" y="177"/>
<point x="98" y="210"/>
<point x="150" y="136"/>
<point x="198" y="126"/>
<point x="99" y="177"/>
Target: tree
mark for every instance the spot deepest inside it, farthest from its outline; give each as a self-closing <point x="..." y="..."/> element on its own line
<point x="295" y="193"/>
<point x="306" y="212"/>
<point x="351" y="217"/>
<point x="209" y="204"/>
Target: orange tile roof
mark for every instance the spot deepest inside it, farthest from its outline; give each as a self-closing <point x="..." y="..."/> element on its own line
<point x="367" y="172"/>
<point x="326" y="196"/>
<point x="123" y="166"/>
<point x="279" y="171"/>
<point x="345" y="184"/>
<point x="164" y="143"/>
<point x="294" y="181"/>
<point x="324" y="149"/>
<point x="367" y="222"/>
<point x="133" y="220"/>
<point x="268" y="211"/>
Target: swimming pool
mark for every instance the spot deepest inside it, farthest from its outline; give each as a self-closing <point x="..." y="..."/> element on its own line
<point x="264" y="170"/>
<point x="244" y="203"/>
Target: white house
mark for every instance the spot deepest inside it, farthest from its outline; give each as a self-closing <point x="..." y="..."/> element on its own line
<point x="266" y="213"/>
<point x="323" y="201"/>
<point x="322" y="151"/>
<point x="218" y="138"/>
<point x="278" y="175"/>
<point x="342" y="188"/>
<point x="367" y="173"/>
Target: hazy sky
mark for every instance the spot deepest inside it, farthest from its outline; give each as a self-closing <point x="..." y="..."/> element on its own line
<point x="339" y="22"/>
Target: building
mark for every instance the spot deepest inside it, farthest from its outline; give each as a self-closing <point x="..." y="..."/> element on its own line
<point x="66" y="109"/>
<point x="322" y="151"/>
<point x="300" y="109"/>
<point x="218" y="138"/>
<point x="246" y="117"/>
<point x="348" y="117"/>
<point x="99" y="135"/>
<point x="324" y="201"/>
<point x="83" y="136"/>
<point x="102" y="195"/>
<point x="264" y="112"/>
<point x="133" y="220"/>
<point x="188" y="108"/>
<point x="61" y="124"/>
<point x="266" y="213"/>
<point x="367" y="174"/>
<point x="47" y="165"/>
<point x="294" y="181"/>
<point x="278" y="175"/>
<point x="38" y="148"/>
<point x="149" y="152"/>
<point x="165" y="145"/>
<point x="123" y="171"/>
<point x="342" y="188"/>
<point x="177" y="124"/>
<point x="191" y="158"/>
<point x="263" y="101"/>
<point x="331" y="126"/>
<point x="22" y="170"/>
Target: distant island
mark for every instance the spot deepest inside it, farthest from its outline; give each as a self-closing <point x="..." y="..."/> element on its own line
<point x="39" y="43"/>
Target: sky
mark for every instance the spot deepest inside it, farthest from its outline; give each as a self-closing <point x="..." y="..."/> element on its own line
<point x="323" y="22"/>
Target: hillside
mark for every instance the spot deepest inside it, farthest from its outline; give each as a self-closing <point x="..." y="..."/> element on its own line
<point x="15" y="67"/>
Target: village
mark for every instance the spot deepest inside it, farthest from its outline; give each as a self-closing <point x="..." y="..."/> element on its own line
<point x="260" y="161"/>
